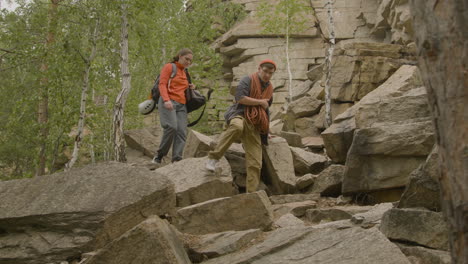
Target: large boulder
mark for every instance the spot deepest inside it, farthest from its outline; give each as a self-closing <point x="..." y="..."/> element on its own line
<point x="315" y="73"/>
<point x="236" y="158"/>
<point x="305" y="126"/>
<point x="425" y="255"/>
<point x="419" y="226"/>
<point x="276" y="127"/>
<point x="224" y="214"/>
<point x="317" y="91"/>
<point x="52" y="218"/>
<point x="307" y="162"/>
<point x="327" y="244"/>
<point x="145" y="140"/>
<point x="302" y="90"/>
<point x="293" y="138"/>
<point x="390" y="143"/>
<point x="197" y="145"/>
<point x="152" y="241"/>
<point x="338" y="137"/>
<point x="382" y="157"/>
<point x="305" y="181"/>
<point x="373" y="216"/>
<point x="400" y="99"/>
<point x="279" y="166"/>
<point x="360" y="67"/>
<point x="218" y="244"/>
<point x="328" y="182"/>
<point x="305" y="106"/>
<point x="288" y="220"/>
<point x="336" y="108"/>
<point x="423" y="189"/>
<point x="314" y="144"/>
<point x="194" y="184"/>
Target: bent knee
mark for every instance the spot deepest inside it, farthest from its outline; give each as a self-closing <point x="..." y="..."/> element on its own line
<point x="237" y="126"/>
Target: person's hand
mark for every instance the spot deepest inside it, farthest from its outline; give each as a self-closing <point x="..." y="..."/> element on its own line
<point x="192" y="86"/>
<point x="264" y="103"/>
<point x="270" y="136"/>
<point x="168" y="105"/>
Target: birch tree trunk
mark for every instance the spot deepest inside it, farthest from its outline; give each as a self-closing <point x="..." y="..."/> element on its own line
<point x="328" y="64"/>
<point x="118" y="119"/>
<point x="43" y="106"/>
<point x="288" y="65"/>
<point x="84" y="98"/>
<point x="441" y="35"/>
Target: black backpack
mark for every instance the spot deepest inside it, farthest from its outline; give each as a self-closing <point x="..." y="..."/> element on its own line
<point x="155" y="93"/>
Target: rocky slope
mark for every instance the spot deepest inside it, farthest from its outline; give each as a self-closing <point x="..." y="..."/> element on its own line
<point x="363" y="189"/>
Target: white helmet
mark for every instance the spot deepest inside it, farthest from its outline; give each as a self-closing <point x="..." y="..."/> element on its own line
<point x="146" y="107"/>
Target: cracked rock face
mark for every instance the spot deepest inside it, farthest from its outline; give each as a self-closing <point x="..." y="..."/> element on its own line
<point x="320" y="245"/>
<point x="55" y="217"/>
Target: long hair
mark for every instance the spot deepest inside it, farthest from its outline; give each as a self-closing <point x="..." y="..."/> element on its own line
<point x="181" y="52"/>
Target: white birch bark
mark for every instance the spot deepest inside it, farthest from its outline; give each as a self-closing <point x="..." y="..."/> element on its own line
<point x="328" y="64"/>
<point x="118" y="118"/>
<point x="84" y="98"/>
<point x="287" y="60"/>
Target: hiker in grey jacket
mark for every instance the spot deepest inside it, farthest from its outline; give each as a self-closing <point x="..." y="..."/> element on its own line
<point x="248" y="120"/>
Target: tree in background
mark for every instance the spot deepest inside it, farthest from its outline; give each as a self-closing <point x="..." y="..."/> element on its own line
<point x="87" y="60"/>
<point x="286" y="18"/>
<point x="43" y="105"/>
<point x="157" y="29"/>
<point x="119" y="106"/>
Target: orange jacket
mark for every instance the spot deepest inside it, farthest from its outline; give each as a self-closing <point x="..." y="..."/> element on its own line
<point x="178" y="84"/>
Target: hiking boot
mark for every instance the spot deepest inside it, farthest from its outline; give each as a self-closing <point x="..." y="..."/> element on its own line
<point x="211" y="164"/>
<point x="157" y="159"/>
<point x="176" y="159"/>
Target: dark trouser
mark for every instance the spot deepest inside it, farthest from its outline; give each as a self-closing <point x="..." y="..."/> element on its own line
<point x="174" y="124"/>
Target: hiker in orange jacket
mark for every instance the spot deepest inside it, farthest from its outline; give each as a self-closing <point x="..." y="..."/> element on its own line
<point x="248" y="120"/>
<point x="171" y="106"/>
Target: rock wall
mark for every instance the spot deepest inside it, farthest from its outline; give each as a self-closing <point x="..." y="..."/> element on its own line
<point x="360" y="63"/>
<point x="245" y="45"/>
<point x="371" y="131"/>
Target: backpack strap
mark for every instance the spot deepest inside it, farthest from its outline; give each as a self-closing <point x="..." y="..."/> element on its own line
<point x="204" y="107"/>
<point x="173" y="74"/>
<point x="189" y="79"/>
<point x="174" y="70"/>
<point x="203" y="111"/>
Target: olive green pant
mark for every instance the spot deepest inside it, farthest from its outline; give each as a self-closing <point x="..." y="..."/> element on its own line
<point x="239" y="128"/>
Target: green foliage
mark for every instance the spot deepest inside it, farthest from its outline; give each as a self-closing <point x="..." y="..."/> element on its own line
<point x="287" y="17"/>
<point x="157" y="30"/>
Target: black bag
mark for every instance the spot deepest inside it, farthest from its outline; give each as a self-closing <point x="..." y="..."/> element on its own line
<point x="194" y="99"/>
